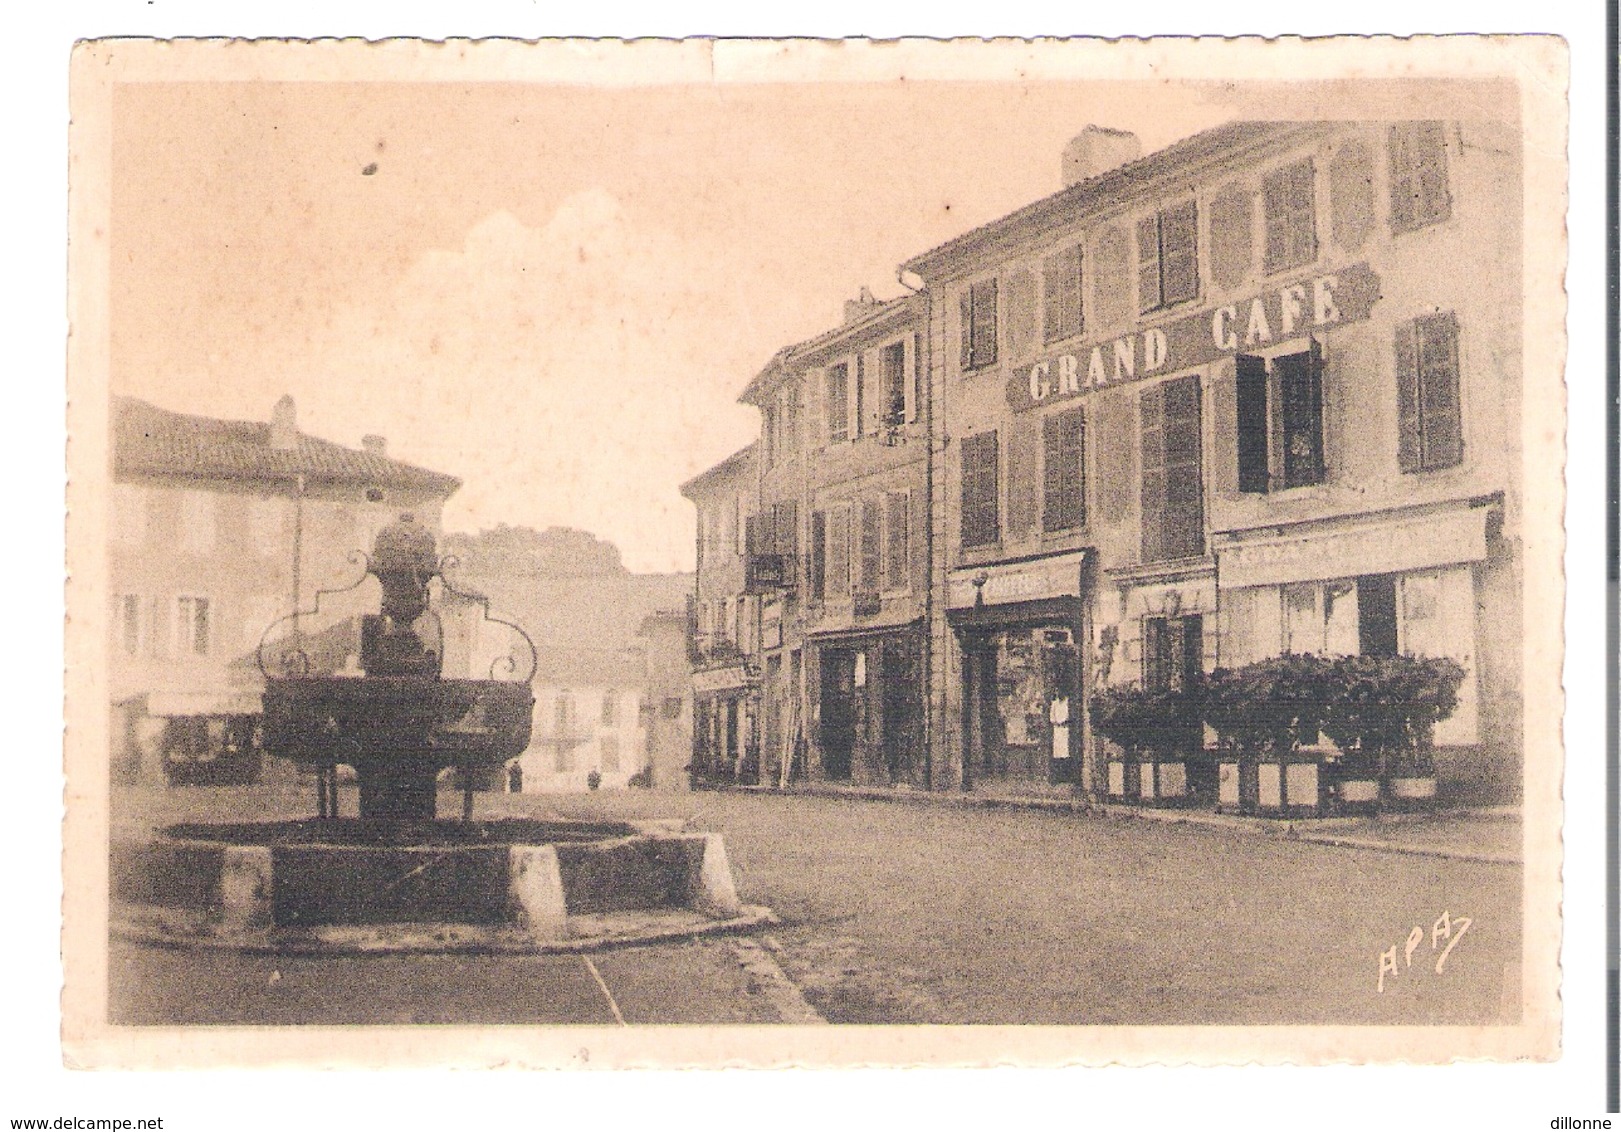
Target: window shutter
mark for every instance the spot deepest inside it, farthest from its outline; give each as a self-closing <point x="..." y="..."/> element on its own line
<point x="1439" y="412"/>
<point x="752" y="540"/>
<point x="1252" y="424"/>
<point x="872" y="543"/>
<point x="913" y="377"/>
<point x="1434" y="201"/>
<point x="1062" y="314"/>
<point x="1291" y="237"/>
<point x="965" y="323"/>
<point x="1151" y="414"/>
<point x="787" y="535"/>
<point x="899" y="540"/>
<point x="838" y="553"/>
<point x="818" y="563"/>
<point x="983" y="297"/>
<point x="979" y="490"/>
<point x="1148" y="271"/>
<point x="858" y="398"/>
<point x="1179" y="253"/>
<point x="1184" y="497"/>
<point x="1409" y="443"/>
<point x="1063" y="472"/>
<point x="1403" y="190"/>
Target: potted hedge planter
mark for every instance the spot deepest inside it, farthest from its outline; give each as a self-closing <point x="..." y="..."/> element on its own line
<point x="1267" y="715"/>
<point x="1384" y="717"/>
<point x="1153" y="732"/>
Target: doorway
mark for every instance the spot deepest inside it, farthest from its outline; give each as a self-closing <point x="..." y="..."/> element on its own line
<point x="838" y="724"/>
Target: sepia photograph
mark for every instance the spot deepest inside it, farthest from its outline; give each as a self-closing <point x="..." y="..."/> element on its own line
<point x="766" y="552"/>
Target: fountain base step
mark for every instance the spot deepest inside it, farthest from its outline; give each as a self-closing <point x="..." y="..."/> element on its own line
<point x="332" y="891"/>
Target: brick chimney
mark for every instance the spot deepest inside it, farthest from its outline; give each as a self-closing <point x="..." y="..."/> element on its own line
<point x="861" y="305"/>
<point x="1096" y="150"/>
<point x="284" y="423"/>
<point x="374" y="444"/>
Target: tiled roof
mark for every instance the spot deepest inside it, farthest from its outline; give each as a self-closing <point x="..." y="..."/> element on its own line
<point x="736" y="461"/>
<point x="1104" y="188"/>
<point x="153" y="441"/>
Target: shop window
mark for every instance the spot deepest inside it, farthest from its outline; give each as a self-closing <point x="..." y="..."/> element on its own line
<point x="1064" y="471"/>
<point x="1419" y="195"/>
<point x="1280" y="421"/>
<point x="1173" y="652"/>
<point x="980" y="525"/>
<point x="897" y="550"/>
<point x="838" y="552"/>
<point x="836" y="402"/>
<point x="1167" y="257"/>
<point x="1376" y="615"/>
<point x="977" y="308"/>
<point x="1288" y="198"/>
<point x="192" y="626"/>
<point x="1429" y="417"/>
<point x="1172" y="503"/>
<point x="1061" y="291"/>
<point x="872" y="544"/>
<point x="818" y="555"/>
<point x="892" y="371"/>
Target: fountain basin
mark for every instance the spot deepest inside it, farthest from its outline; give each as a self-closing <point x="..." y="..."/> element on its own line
<point x="350" y="884"/>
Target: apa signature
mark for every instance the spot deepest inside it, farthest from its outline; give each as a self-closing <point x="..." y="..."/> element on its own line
<point x="1447" y="927"/>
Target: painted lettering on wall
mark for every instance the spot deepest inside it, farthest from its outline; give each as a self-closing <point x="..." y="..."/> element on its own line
<point x="1276" y="315"/>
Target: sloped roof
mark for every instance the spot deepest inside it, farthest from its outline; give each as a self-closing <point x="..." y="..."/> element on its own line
<point x="152" y="441"/>
<point x="1104" y="188"/>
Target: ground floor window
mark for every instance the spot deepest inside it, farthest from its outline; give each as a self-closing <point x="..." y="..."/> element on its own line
<point x="1021" y="705"/>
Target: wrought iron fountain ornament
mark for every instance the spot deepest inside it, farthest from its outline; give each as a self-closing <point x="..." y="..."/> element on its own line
<point x="401" y="723"/>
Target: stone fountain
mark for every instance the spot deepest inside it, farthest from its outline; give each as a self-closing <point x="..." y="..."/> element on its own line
<point x="397" y="876"/>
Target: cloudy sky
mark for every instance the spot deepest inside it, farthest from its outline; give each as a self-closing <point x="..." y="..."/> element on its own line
<point x="554" y="292"/>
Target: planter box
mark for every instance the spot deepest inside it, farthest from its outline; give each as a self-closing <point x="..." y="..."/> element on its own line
<point x="1291" y="788"/>
<point x="1236" y="786"/>
<point x="1148" y="783"/>
<point x="1411" y="792"/>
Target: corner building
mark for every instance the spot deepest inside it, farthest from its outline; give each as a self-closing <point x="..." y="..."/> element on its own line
<point x="1258" y="392"/>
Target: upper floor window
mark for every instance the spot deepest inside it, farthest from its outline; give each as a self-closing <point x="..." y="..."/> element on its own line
<point x="977" y="308"/>
<point x="192" y="626"/>
<point x="872" y="544"/>
<point x="1062" y="316"/>
<point x="1167" y="257"/>
<point x="1280" y="421"/>
<point x="1429" y="416"/>
<point x="1288" y="198"/>
<point x="1172" y="482"/>
<point x="980" y="517"/>
<point x="265" y="519"/>
<point x="818" y="555"/>
<point x="1064" y="471"/>
<point x="127" y="612"/>
<point x="836" y="401"/>
<point x="897" y="541"/>
<point x="772" y="442"/>
<point x="1418" y="175"/>
<point x="892" y="373"/>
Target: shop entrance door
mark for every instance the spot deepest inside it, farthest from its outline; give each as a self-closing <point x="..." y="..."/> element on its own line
<point x="902" y="711"/>
<point x="838" y="726"/>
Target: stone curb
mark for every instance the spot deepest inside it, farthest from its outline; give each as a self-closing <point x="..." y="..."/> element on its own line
<point x="1270" y="827"/>
<point x="430" y="939"/>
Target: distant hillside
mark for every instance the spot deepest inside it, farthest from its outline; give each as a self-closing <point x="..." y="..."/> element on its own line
<point x="572" y="594"/>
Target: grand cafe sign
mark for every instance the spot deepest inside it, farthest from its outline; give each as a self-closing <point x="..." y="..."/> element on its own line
<point x="1278" y="315"/>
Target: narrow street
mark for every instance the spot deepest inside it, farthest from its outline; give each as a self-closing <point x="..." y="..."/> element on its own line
<point x="897" y="913"/>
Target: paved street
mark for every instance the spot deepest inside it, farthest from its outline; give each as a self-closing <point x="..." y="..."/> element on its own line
<point x="912" y="913"/>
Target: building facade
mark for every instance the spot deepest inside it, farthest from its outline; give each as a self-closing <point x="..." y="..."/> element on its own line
<point x="725" y="632"/>
<point x="221" y="532"/>
<point x="1228" y="401"/>
<point x="1256" y="393"/>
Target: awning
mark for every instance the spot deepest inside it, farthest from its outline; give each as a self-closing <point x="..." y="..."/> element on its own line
<point x="721" y="679"/>
<point x="1391" y="546"/>
<point x="1007" y="583"/>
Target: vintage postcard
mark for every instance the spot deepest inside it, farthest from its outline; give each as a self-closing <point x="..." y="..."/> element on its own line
<point x="800" y="553"/>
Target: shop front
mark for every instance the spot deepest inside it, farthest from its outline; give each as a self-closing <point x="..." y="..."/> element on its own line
<point x="1019" y="627"/>
<point x="1419" y="583"/>
<point x="868" y="702"/>
<point x="724" y="744"/>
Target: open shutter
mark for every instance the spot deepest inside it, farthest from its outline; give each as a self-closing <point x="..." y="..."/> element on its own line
<point x="1409" y="443"/>
<point x="984" y="320"/>
<point x="1148" y="271"/>
<point x="1063" y="473"/>
<point x="1151" y="428"/>
<point x="912" y="378"/>
<point x="965" y="329"/>
<point x="1301" y="396"/>
<point x="872" y="543"/>
<point x="1252" y="429"/>
<point x="1184" y="485"/>
<point x="898" y="539"/>
<point x="818" y="555"/>
<point x="1442" y="423"/>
